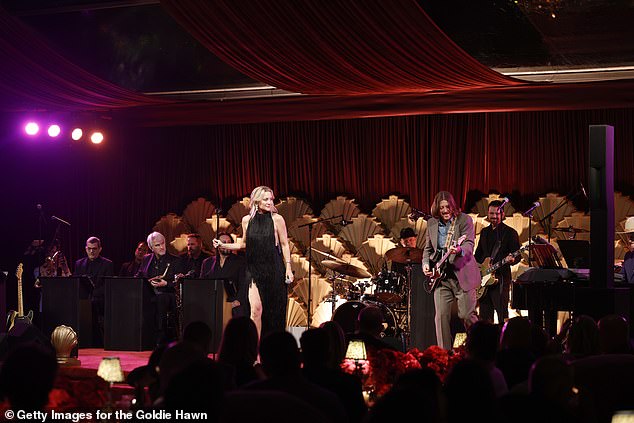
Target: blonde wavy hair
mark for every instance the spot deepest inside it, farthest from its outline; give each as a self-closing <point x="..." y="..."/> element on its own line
<point x="256" y="196"/>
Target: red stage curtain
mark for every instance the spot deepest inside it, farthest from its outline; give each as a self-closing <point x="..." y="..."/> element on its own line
<point x="33" y="76"/>
<point x="337" y="47"/>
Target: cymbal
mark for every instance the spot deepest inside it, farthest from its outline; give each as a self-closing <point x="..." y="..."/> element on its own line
<point x="315" y="250"/>
<point x="346" y="269"/>
<point x="571" y="229"/>
<point x="404" y="254"/>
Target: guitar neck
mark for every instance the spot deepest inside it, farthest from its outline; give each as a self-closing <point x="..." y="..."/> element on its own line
<point x="20" y="302"/>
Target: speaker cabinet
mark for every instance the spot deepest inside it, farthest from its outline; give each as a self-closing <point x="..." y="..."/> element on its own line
<point x="203" y="300"/>
<point x="129" y="314"/>
<point x="66" y="301"/>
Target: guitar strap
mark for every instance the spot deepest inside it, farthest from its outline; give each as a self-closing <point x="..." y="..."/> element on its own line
<point x="450" y="233"/>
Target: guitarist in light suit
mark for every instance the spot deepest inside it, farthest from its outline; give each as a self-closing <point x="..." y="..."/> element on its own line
<point x="497" y="241"/>
<point x="461" y="274"/>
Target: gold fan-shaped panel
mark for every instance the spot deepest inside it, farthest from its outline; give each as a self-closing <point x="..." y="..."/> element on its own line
<point x="323" y="312"/>
<point x="372" y="252"/>
<point x="171" y="226"/>
<point x="419" y="226"/>
<point x="295" y="314"/>
<point x="361" y="228"/>
<point x="292" y="208"/>
<point x="208" y="229"/>
<point x="341" y="206"/>
<point x="179" y="244"/>
<point x="549" y="203"/>
<point x="299" y="266"/>
<point x="479" y="222"/>
<point x="196" y="212"/>
<point x="520" y="224"/>
<point x="577" y="221"/>
<point x="237" y="211"/>
<point x="300" y="234"/>
<point x="481" y="208"/>
<point x="623" y="207"/>
<point x="391" y="210"/>
<point x="319" y="288"/>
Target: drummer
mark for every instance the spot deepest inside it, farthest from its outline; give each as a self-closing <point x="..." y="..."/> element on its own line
<point x="422" y="327"/>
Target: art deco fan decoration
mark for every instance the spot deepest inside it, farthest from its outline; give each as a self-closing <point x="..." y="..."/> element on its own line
<point x="341" y="206"/>
<point x="576" y="226"/>
<point x="320" y="289"/>
<point x="171" y="226"/>
<point x="179" y="244"/>
<point x="372" y="252"/>
<point x="420" y="227"/>
<point x="482" y="206"/>
<point x="623" y="207"/>
<point x="391" y="210"/>
<point x="196" y="212"/>
<point x="479" y="222"/>
<point x="300" y="235"/>
<point x="292" y="208"/>
<point x="208" y="230"/>
<point x="549" y="203"/>
<point x="237" y="211"/>
<point x="299" y="266"/>
<point x="323" y="312"/>
<point x="361" y="228"/>
<point x="520" y="224"/>
<point x="295" y="314"/>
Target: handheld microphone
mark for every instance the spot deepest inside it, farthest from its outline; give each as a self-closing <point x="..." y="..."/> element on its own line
<point x="529" y="212"/>
<point x="504" y="202"/>
<point x="583" y="190"/>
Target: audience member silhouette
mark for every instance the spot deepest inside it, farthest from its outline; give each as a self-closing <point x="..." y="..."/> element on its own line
<point x="415" y="393"/>
<point x="147" y="376"/>
<point x="583" y="338"/>
<point x="370" y="330"/>
<point x="482" y="345"/>
<point x="27" y="377"/>
<point x="281" y="362"/>
<point x="515" y="356"/>
<point x="614" y="335"/>
<point x="315" y="345"/>
<point x="239" y="349"/>
<point x="337" y="343"/>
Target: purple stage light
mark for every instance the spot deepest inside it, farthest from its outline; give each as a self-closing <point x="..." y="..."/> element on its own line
<point x="77" y="134"/>
<point x="31" y="128"/>
<point x="54" y="130"/>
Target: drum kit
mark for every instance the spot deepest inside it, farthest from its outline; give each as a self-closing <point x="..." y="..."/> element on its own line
<point x="388" y="290"/>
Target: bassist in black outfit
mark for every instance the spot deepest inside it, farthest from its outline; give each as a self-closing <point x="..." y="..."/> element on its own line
<point x="498" y="241"/>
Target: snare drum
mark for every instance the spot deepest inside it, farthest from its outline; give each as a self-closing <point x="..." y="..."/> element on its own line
<point x="389" y="287"/>
<point x="346" y="315"/>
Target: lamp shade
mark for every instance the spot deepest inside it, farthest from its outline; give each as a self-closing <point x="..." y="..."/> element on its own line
<point x="356" y="350"/>
<point x="110" y="370"/>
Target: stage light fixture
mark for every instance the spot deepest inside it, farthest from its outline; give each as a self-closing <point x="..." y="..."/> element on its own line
<point x="77" y="134"/>
<point x="96" y="137"/>
<point x="31" y="128"/>
<point x="54" y="130"/>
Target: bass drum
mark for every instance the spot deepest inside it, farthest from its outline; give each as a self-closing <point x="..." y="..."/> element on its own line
<point x="346" y="315"/>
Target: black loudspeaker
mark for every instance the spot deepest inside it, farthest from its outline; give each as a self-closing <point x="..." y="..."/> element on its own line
<point x="66" y="301"/>
<point x="22" y="333"/>
<point x="129" y="314"/>
<point x="203" y="300"/>
<point x="601" y="197"/>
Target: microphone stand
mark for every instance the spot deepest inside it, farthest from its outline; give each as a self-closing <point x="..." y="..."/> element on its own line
<point x="310" y="261"/>
<point x="549" y="216"/>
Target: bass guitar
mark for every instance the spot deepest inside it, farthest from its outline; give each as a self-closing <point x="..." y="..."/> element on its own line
<point x="17" y="316"/>
<point x="487" y="271"/>
<point x="438" y="271"/>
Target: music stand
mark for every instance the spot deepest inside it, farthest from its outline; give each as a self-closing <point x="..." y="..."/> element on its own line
<point x="576" y="252"/>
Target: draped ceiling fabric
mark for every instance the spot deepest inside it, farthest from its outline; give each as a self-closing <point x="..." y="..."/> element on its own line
<point x="33" y="76"/>
<point x="339" y="47"/>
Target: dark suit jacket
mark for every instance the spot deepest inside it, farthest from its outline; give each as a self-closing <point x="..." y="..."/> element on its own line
<point x="148" y="269"/>
<point x="509" y="243"/>
<point x="628" y="267"/>
<point x="463" y="265"/>
<point x="96" y="270"/>
<point x="234" y="273"/>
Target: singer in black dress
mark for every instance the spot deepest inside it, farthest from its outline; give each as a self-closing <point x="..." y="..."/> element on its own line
<point x="268" y="261"/>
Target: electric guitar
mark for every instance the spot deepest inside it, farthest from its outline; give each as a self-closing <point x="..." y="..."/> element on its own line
<point x="438" y="271"/>
<point x="487" y="271"/>
<point x="15" y="316"/>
